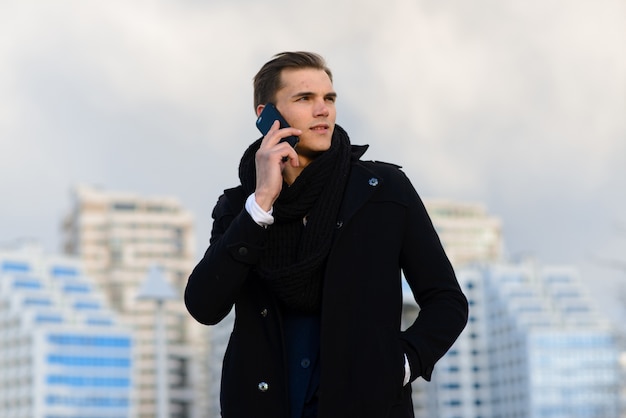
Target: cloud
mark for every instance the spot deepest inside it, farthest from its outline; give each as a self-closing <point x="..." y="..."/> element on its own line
<point x="517" y="104"/>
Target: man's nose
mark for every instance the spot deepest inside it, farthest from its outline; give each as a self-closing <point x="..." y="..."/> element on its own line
<point x="321" y="108"/>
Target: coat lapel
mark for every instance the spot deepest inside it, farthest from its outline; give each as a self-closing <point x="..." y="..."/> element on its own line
<point x="362" y="184"/>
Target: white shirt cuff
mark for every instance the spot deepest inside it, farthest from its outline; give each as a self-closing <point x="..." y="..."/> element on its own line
<point x="257" y="213"/>
<point x="407" y="371"/>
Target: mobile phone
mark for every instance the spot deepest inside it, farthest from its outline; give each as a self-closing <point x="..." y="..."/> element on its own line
<point x="266" y="119"/>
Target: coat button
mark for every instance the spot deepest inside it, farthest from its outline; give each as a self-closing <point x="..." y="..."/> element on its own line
<point x="373" y="182"/>
<point x="305" y="363"/>
<point x="264" y="386"/>
<point x="264" y="312"/>
<point x="339" y="224"/>
<point x="243" y="251"/>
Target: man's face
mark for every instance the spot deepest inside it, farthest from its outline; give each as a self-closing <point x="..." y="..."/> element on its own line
<point x="307" y="102"/>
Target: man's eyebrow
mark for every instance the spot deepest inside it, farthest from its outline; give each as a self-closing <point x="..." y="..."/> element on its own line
<point x="310" y="93"/>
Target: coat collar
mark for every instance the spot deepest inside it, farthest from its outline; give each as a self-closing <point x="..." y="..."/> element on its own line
<point x="362" y="184"/>
<point x="358" y="151"/>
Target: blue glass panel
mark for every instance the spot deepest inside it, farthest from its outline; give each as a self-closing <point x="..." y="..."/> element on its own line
<point x="99" y="321"/>
<point x="86" y="305"/>
<point x="77" y="288"/>
<point x="90" y="340"/>
<point x="82" y="381"/>
<point x="37" y="302"/>
<point x="64" y="271"/>
<point x="87" y="401"/>
<point x="90" y="416"/>
<point x="26" y="284"/>
<point x="81" y="361"/>
<point x="15" y="266"/>
<point x="54" y="319"/>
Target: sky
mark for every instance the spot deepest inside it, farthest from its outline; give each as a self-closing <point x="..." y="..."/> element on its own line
<point x="518" y="105"/>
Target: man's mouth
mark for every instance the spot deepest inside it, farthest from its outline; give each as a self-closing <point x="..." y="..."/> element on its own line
<point x="322" y="127"/>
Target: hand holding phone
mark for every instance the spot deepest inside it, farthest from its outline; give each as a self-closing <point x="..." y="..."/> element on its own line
<point x="266" y="119"/>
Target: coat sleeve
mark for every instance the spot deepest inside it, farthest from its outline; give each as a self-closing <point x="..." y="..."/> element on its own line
<point x="235" y="247"/>
<point x="443" y="307"/>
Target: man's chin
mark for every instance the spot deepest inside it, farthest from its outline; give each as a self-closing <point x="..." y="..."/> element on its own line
<point x="312" y="152"/>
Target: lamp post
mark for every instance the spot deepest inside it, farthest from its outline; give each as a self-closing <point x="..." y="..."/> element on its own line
<point x="156" y="288"/>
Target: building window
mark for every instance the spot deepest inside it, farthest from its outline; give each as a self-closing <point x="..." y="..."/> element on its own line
<point x="52" y="319"/>
<point x="57" y="271"/>
<point x="180" y="370"/>
<point x="27" y="284"/>
<point x="92" y="341"/>
<point x="14" y="266"/>
<point x="87" y="305"/>
<point x="37" y="302"/>
<point x="87" y="401"/>
<point x="84" y="381"/>
<point x="76" y="288"/>
<point x="99" y="321"/>
<point x="124" y="206"/>
<point x="82" y="361"/>
<point x="180" y="409"/>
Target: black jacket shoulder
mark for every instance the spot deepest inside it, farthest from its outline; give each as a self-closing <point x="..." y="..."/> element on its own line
<point x="393" y="182"/>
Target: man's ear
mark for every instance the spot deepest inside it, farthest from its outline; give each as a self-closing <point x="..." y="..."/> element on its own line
<point x="259" y="109"/>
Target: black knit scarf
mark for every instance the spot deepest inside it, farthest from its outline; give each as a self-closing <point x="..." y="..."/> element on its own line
<point x="305" y="215"/>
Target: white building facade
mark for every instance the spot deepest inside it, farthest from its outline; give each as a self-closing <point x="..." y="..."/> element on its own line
<point x="469" y="234"/>
<point x="63" y="353"/>
<point x="534" y="347"/>
<point x="466" y="230"/>
<point x="119" y="236"/>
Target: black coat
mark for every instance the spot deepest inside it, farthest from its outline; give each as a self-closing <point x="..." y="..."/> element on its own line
<point x="382" y="229"/>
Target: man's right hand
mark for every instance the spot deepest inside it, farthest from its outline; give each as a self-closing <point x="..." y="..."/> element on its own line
<point x="271" y="159"/>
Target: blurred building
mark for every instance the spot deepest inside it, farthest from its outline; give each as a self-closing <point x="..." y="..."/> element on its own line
<point x="119" y="236"/>
<point x="217" y="338"/>
<point x="534" y="347"/>
<point x="622" y="361"/>
<point x="468" y="233"/>
<point x="63" y="353"/>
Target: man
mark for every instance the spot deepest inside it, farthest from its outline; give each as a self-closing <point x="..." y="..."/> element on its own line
<point x="310" y="249"/>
